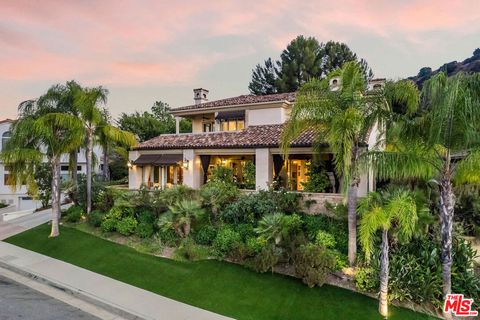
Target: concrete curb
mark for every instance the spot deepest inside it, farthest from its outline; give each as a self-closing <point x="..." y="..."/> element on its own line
<point x="77" y="293"/>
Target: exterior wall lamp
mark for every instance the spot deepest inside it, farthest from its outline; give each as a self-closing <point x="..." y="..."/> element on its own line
<point x="185" y="164"/>
<point x="129" y="164"/>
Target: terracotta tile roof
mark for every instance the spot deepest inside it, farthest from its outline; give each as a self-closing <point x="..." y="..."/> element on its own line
<point x="240" y="100"/>
<point x="267" y="136"/>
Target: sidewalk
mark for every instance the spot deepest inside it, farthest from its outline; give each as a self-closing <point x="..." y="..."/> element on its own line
<point x="94" y="287"/>
<point x="12" y="227"/>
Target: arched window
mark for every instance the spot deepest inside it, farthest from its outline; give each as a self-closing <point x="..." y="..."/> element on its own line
<point x="5" y="137"/>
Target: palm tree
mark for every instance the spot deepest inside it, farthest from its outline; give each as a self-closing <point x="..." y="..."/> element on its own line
<point x="383" y="212"/>
<point x="180" y="216"/>
<point x="440" y="145"/>
<point x="342" y="117"/>
<point x="60" y="98"/>
<point x="37" y="137"/>
<point x="95" y="125"/>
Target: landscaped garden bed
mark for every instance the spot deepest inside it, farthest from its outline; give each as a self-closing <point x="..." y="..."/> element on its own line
<point x="221" y="287"/>
<point x="269" y="232"/>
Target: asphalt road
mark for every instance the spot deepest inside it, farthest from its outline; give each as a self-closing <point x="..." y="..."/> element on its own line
<point x="21" y="302"/>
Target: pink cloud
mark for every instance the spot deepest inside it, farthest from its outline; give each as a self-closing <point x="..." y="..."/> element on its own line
<point x="130" y="42"/>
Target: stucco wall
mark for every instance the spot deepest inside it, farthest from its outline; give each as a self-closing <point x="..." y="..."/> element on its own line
<point x="266" y="116"/>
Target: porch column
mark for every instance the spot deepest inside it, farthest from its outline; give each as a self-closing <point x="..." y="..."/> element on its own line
<point x="192" y="174"/>
<point x="177" y="125"/>
<point x="263" y="168"/>
<point x="134" y="172"/>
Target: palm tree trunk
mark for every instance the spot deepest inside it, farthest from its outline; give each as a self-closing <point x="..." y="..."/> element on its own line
<point x="384" y="265"/>
<point x="352" y="222"/>
<point x="89" y="170"/>
<point x="447" y="204"/>
<point x="55" y="196"/>
<point x="106" y="171"/>
<point x="74" y="172"/>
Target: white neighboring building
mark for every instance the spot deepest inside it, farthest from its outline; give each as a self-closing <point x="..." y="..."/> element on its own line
<point x="19" y="197"/>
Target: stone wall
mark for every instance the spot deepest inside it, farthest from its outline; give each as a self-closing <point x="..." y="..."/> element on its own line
<point x="315" y="202"/>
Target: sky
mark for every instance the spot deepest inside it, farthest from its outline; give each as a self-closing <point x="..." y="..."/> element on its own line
<point x="144" y="51"/>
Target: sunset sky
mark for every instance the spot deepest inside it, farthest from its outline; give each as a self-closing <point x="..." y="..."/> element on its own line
<point x="144" y="51"/>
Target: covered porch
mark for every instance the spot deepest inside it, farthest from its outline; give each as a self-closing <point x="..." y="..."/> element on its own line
<point x="257" y="169"/>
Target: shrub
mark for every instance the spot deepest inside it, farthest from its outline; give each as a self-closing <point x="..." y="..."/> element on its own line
<point x="313" y="263"/>
<point x="144" y="230"/>
<point x="74" y="214"/>
<point x="467" y="212"/>
<point x="266" y="259"/>
<point x="245" y="230"/>
<point x="217" y="194"/>
<point x="104" y="199"/>
<point x="108" y="225"/>
<point x="127" y="226"/>
<point x="249" y="175"/>
<point x="168" y="237"/>
<point x="249" y="208"/>
<point x="222" y="174"/>
<point x="205" y="235"/>
<point x="337" y="228"/>
<point x="188" y="250"/>
<point x="367" y="279"/>
<point x="256" y="244"/>
<point x="318" y="180"/>
<point x="176" y="194"/>
<point x="416" y="272"/>
<point x="95" y="218"/>
<point x="325" y="239"/>
<point x="225" y="241"/>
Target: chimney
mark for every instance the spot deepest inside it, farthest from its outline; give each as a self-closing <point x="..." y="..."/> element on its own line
<point x="200" y="95"/>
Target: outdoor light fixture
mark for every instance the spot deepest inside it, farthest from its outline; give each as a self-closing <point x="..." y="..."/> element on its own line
<point x="129" y="164"/>
<point x="185" y="164"/>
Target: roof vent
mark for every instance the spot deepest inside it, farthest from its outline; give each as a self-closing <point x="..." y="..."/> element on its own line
<point x="200" y="95"/>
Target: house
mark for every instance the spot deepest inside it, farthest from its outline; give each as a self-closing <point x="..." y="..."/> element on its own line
<point x="232" y="132"/>
<point x="20" y="198"/>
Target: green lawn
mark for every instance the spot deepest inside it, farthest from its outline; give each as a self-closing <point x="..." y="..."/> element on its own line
<point x="224" y="288"/>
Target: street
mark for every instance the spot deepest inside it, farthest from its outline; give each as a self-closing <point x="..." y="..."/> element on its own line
<point x="21" y="302"/>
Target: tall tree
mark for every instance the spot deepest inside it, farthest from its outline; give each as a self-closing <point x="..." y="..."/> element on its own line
<point x="441" y="145"/>
<point x="302" y="60"/>
<point x="383" y="212"/>
<point x="95" y="125"/>
<point x="34" y="138"/>
<point x="299" y="62"/>
<point x="264" y="78"/>
<point x="60" y="98"/>
<point x="343" y="119"/>
<point x="148" y="125"/>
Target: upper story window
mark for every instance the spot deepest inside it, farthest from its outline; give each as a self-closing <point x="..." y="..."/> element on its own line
<point x="208" y="126"/>
<point x="5" y="137"/>
<point x="232" y="125"/>
<point x="231" y="120"/>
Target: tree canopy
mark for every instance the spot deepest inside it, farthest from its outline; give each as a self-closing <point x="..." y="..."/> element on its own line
<point x="303" y="59"/>
<point x="148" y="125"/>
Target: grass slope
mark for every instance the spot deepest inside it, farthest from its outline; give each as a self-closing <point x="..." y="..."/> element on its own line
<point x="220" y="287"/>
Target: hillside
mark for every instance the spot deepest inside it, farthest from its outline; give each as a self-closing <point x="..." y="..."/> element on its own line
<point x="471" y="64"/>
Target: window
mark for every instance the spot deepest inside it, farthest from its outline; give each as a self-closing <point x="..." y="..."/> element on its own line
<point x="208" y="127"/>
<point x="7" y="180"/>
<point x="79" y="168"/>
<point x="232" y="125"/>
<point x="5" y="137"/>
<point x="64" y="168"/>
